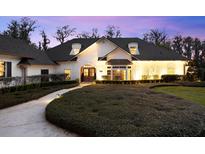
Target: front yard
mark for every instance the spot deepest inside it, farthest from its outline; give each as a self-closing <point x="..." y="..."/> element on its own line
<point x="194" y="94"/>
<point x="126" y="110"/>
<point x="18" y="97"/>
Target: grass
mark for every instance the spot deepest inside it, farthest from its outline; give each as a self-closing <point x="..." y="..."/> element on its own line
<point x="125" y="110"/>
<point x="194" y="94"/>
<point x="18" y="97"/>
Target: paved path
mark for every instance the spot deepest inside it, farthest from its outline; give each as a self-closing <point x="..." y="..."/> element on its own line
<point x="28" y="119"/>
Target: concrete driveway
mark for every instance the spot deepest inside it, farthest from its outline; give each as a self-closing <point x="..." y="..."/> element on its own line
<point x="28" y="119"/>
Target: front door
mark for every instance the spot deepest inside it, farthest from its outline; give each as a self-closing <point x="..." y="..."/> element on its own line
<point x="88" y="74"/>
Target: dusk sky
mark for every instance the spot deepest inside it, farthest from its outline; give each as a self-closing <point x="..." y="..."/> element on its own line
<point x="130" y="26"/>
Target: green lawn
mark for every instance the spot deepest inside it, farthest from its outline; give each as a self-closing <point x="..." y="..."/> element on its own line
<point x="125" y="110"/>
<point x="194" y="94"/>
<point x="18" y="97"/>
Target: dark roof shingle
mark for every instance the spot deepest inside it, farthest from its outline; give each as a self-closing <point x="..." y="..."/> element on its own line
<point x="148" y="51"/>
<point x="62" y="51"/>
<point x="16" y="47"/>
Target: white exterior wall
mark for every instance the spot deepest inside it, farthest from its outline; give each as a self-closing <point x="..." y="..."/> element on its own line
<point x="33" y="70"/>
<point x="103" y="47"/>
<point x="16" y="71"/>
<point x="140" y="68"/>
<point x="119" y="54"/>
<point x="72" y="65"/>
<point x="89" y="57"/>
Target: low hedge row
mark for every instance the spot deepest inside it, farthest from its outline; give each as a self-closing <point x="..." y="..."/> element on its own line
<point x="125" y="81"/>
<point x="172" y="78"/>
<point x="36" y="85"/>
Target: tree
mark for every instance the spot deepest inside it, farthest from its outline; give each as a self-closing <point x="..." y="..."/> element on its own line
<point x="63" y="33"/>
<point x="21" y="29"/>
<point x="197" y="48"/>
<point x="26" y="27"/>
<point x="177" y="44"/>
<point x="188" y="44"/>
<point x="83" y="35"/>
<point x="45" y="41"/>
<point x="202" y="56"/>
<point x="94" y="34"/>
<point x="39" y="45"/>
<point x="12" y="29"/>
<point x="192" y="71"/>
<point x="112" y="32"/>
<point x="157" y="37"/>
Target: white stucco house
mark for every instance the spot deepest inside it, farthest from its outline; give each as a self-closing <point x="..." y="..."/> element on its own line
<point x="91" y="59"/>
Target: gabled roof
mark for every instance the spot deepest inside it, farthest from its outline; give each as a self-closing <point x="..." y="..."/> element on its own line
<point x="62" y="51"/>
<point x="18" y="48"/>
<point x="148" y="51"/>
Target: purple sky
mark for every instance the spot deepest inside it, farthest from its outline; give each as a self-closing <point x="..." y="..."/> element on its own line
<point x="130" y="26"/>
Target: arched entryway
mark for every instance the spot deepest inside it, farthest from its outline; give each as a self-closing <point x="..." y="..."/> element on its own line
<point x="88" y="73"/>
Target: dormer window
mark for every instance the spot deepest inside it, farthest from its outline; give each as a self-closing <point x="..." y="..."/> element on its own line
<point x="75" y="48"/>
<point x="133" y="47"/>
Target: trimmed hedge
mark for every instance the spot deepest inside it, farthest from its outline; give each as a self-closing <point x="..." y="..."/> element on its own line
<point x="172" y="78"/>
<point x="36" y="85"/>
<point x="125" y="81"/>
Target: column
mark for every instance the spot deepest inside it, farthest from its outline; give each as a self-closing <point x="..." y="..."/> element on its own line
<point x="126" y="72"/>
<point x="111" y="73"/>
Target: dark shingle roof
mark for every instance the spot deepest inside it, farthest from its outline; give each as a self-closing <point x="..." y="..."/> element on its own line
<point x="30" y="55"/>
<point x="62" y="51"/>
<point x="148" y="51"/>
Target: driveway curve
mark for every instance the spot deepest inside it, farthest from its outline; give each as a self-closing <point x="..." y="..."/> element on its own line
<point x="28" y="119"/>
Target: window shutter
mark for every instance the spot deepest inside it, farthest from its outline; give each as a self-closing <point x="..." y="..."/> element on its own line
<point x="8" y="68"/>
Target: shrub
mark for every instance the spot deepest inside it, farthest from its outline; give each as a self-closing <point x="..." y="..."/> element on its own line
<point x="171" y="78"/>
<point x="37" y="85"/>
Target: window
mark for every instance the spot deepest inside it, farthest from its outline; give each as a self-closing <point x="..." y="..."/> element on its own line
<point x="170" y="69"/>
<point x="85" y="72"/>
<point x="44" y="72"/>
<point x="67" y="74"/>
<point x="75" y="48"/>
<point x="108" y="72"/>
<point x="5" y="69"/>
<point x="133" y="50"/>
<point x="2" y="69"/>
<point x="92" y="72"/>
<point x="133" y="47"/>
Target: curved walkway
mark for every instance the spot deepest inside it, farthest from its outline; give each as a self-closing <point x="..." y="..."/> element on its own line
<point x="28" y="119"/>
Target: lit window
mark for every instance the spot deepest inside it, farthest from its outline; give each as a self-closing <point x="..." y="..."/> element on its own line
<point x="133" y="50"/>
<point x="170" y="69"/>
<point x="108" y="72"/>
<point x="5" y="69"/>
<point x="92" y="72"/>
<point x="85" y="72"/>
<point x="67" y="74"/>
<point x="2" y="69"/>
